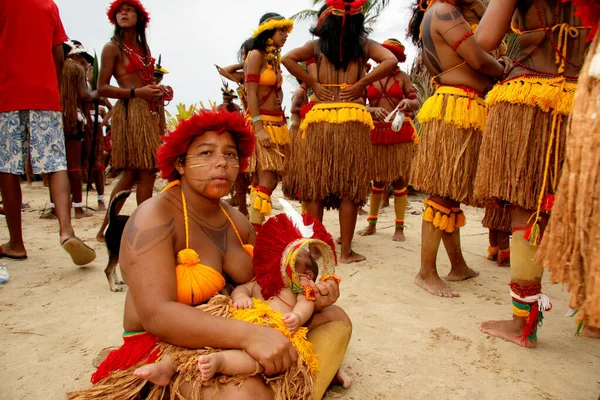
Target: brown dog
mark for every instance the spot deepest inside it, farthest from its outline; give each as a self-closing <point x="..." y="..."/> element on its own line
<point x="112" y="237"/>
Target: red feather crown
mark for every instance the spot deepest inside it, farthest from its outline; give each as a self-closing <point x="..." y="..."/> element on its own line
<point x="396" y="48"/>
<point x="114" y="6"/>
<point x="275" y="250"/>
<point x="176" y="143"/>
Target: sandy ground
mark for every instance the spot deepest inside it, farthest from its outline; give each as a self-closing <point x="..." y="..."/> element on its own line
<point x="56" y="317"/>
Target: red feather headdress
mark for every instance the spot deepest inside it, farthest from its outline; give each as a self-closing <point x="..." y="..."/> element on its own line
<point x="277" y="246"/>
<point x="589" y="13"/>
<point x="176" y="143"/>
<point x="396" y="48"/>
<point x="114" y="6"/>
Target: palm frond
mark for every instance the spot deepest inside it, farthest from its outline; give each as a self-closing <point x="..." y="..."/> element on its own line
<point x="305" y="15"/>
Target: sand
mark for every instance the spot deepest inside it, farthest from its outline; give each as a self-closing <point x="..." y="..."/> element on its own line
<point x="56" y="317"/>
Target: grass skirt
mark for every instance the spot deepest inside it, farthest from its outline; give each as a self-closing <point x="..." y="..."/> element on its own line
<point x="571" y="244"/>
<point x="498" y="218"/>
<point x="135" y="135"/>
<point x="391" y="162"/>
<point x="446" y="159"/>
<point x="332" y="159"/>
<point x="517" y="139"/>
<point x="295" y="384"/>
<point x="272" y="158"/>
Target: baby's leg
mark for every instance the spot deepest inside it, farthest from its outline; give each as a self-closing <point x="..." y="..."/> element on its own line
<point x="159" y="373"/>
<point x="229" y="363"/>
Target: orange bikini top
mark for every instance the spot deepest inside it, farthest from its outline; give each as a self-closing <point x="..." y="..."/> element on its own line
<point x="197" y="283"/>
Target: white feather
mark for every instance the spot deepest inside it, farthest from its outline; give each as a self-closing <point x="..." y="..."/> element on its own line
<point x="305" y="230"/>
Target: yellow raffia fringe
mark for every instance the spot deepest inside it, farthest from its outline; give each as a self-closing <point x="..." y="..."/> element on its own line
<point x="337" y="113"/>
<point x="445" y="219"/>
<point x="263" y="314"/>
<point x="276" y="127"/>
<point x="463" y="109"/>
<point x="262" y="203"/>
<point x="548" y="94"/>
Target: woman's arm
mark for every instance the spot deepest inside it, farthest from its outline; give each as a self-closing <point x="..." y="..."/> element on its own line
<point x="407" y="88"/>
<point x="254" y="64"/>
<point x="110" y="55"/>
<point x="291" y="62"/>
<point x="59" y="61"/>
<point x="148" y="264"/>
<point x="83" y="90"/>
<point x="387" y="61"/>
<point x="456" y="32"/>
<point x="235" y="71"/>
<point x="495" y="24"/>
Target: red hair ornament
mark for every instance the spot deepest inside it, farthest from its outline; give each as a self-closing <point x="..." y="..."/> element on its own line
<point x="176" y="143"/>
<point x="277" y="246"/>
<point x="114" y="6"/>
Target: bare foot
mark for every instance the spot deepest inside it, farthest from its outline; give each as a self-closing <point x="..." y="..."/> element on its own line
<point x="101" y="206"/>
<point x="461" y="273"/>
<point x="338" y="240"/>
<point x="209" y="365"/>
<point x="81" y="213"/>
<point x="48" y="214"/>
<point x="593" y="333"/>
<point x="368" y="231"/>
<point x="6" y="251"/>
<point x="159" y="373"/>
<point x="352" y="258"/>
<point x="434" y="285"/>
<point x="399" y="235"/>
<point x="362" y="212"/>
<point x="100" y="237"/>
<point x="507" y="330"/>
<point x="342" y="379"/>
<point x="385" y="202"/>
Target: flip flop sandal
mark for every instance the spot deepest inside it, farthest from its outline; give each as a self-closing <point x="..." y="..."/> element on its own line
<point x="10" y="256"/>
<point x="81" y="253"/>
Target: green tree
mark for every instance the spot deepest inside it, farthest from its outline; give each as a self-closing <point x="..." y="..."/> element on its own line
<point x="372" y="8"/>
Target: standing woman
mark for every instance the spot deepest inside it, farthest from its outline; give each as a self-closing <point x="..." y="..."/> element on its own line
<point x="263" y="80"/>
<point x="135" y="122"/>
<point x="392" y="150"/>
<point x="334" y="154"/>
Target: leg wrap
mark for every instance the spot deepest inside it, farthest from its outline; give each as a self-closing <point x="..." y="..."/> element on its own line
<point x="400" y="203"/>
<point x="375" y="204"/>
<point x="260" y="203"/>
<point x="444" y="219"/>
<point x="522" y="267"/>
<point x="528" y="302"/>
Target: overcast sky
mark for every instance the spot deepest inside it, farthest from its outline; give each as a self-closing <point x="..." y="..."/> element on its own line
<point x="192" y="35"/>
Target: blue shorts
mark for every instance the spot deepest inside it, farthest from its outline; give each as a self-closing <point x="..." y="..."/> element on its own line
<point x="35" y="133"/>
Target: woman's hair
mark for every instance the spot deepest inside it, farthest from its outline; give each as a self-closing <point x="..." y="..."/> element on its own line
<point x="331" y="32"/>
<point x="140" y="30"/>
<point x="244" y="50"/>
<point x="261" y="41"/>
<point x="414" y="26"/>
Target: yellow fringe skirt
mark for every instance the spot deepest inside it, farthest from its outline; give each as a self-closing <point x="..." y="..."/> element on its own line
<point x="334" y="154"/>
<point x="571" y="245"/>
<point x="445" y="163"/>
<point x="523" y="146"/>
<point x="272" y="158"/>
<point x="135" y="135"/>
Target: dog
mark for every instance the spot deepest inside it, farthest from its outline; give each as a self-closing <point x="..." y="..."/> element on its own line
<point x="112" y="238"/>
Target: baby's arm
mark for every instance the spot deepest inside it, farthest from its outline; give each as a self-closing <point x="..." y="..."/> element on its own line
<point x="242" y="295"/>
<point x="301" y="313"/>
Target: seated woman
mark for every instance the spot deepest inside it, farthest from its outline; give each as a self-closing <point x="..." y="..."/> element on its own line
<point x="205" y="154"/>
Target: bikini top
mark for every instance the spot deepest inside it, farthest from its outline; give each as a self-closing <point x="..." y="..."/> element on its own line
<point x="394" y="92"/>
<point x="267" y="78"/>
<point x="197" y="283"/>
<point x="138" y="63"/>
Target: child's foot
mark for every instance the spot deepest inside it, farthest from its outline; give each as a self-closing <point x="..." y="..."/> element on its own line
<point x="385" y="202"/>
<point x="342" y="379"/>
<point x="101" y="206"/>
<point x="362" y="212"/>
<point x="209" y="365"/>
<point x="368" y="231"/>
<point x="160" y="373"/>
<point x="399" y="235"/>
<point x="48" y="214"/>
<point x="338" y="241"/>
<point x="100" y="237"/>
<point x="81" y="213"/>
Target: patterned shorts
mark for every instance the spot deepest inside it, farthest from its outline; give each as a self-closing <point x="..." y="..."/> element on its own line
<point x="34" y="133"/>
